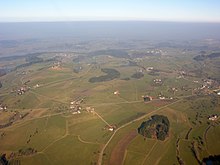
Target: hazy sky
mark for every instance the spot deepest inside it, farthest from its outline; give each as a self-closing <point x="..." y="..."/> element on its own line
<point x="153" y="10"/>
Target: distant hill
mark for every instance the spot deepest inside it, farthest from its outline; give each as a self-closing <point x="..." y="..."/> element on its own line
<point x="112" y="52"/>
<point x="2" y="72"/>
<point x="157" y="127"/>
<point x="204" y="57"/>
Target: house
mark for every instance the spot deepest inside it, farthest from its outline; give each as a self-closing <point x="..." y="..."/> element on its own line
<point x="150" y="68"/>
<point x="36" y="86"/>
<point x="162" y="98"/>
<point x="110" y="127"/>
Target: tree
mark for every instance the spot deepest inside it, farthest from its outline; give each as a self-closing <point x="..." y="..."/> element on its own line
<point x="156" y="127"/>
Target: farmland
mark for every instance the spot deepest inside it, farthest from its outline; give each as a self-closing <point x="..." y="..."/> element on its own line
<point x="86" y="107"/>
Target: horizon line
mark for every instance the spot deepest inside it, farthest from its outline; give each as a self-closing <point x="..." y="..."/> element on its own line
<point x="107" y="20"/>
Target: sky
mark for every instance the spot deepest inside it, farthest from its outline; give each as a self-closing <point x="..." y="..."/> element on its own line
<point x="84" y="10"/>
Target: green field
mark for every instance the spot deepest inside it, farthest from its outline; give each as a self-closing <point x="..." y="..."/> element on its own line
<point x="59" y="136"/>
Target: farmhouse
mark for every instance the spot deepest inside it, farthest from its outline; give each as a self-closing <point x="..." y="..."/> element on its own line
<point x="110" y="128"/>
<point x="36" y="86"/>
<point x="150" y="68"/>
<point x="162" y="98"/>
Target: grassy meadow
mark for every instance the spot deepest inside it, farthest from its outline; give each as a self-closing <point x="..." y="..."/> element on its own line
<point x="60" y="137"/>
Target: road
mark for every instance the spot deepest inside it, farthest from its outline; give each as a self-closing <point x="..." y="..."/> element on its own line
<point x="102" y="119"/>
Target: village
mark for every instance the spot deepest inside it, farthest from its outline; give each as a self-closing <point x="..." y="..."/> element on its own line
<point x="75" y="106"/>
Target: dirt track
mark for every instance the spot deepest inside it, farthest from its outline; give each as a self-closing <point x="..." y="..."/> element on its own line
<point x="118" y="152"/>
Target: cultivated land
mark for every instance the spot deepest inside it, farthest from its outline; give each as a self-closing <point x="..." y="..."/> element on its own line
<point x="85" y="107"/>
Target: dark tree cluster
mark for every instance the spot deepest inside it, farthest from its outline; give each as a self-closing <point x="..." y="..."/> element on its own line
<point x="111" y="74"/>
<point x="112" y="52"/>
<point x="30" y="60"/>
<point x="3" y="160"/>
<point x="154" y="72"/>
<point x="204" y="57"/>
<point x="2" y="72"/>
<point x="157" y="127"/>
<point x="212" y="160"/>
<point x="6" y="125"/>
<point x="137" y="75"/>
<point x="21" y="152"/>
<point x="33" y="59"/>
<point x="77" y="69"/>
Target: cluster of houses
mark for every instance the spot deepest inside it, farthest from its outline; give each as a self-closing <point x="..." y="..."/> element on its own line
<point x="24" y="72"/>
<point x="158" y="81"/>
<point x="207" y="87"/>
<point x="75" y="107"/>
<point x="90" y="109"/>
<point x="213" y="117"/>
<point x="162" y="97"/>
<point x="22" y="90"/>
<point x="56" y="65"/>
<point x="3" y="107"/>
<point x="155" y="51"/>
<point x="217" y="92"/>
<point x="148" y="98"/>
<point x="208" y="82"/>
